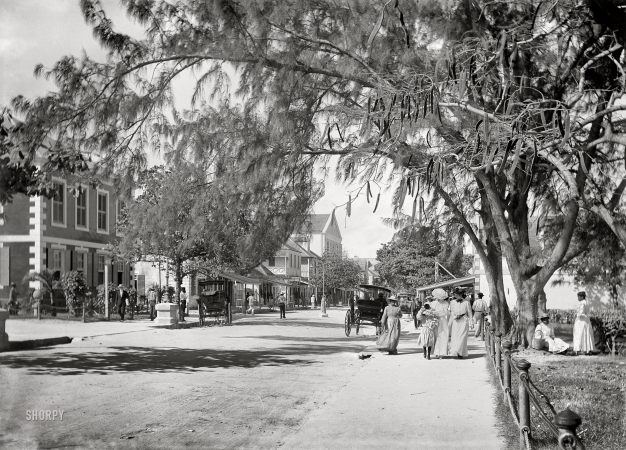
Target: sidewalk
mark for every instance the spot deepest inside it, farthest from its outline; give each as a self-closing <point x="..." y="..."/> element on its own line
<point x="406" y="401"/>
<point x="31" y="329"/>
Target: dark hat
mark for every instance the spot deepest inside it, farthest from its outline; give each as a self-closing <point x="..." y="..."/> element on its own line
<point x="544" y="316"/>
<point x="582" y="294"/>
<point x="480" y="295"/>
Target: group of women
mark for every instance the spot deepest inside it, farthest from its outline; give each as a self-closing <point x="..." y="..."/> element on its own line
<point x="448" y="322"/>
<point x="443" y="321"/>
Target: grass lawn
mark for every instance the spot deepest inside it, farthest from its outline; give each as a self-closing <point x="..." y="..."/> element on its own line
<point x="593" y="387"/>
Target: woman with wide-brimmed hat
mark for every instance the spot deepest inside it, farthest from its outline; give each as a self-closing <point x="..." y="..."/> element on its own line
<point x="441" y="307"/>
<point x="543" y="331"/>
<point x="461" y="314"/>
<point x="388" y="341"/>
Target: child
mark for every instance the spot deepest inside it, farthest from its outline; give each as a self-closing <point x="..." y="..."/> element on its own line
<point x="427" y="336"/>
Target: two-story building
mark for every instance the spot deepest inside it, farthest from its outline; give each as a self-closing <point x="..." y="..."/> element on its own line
<point x="62" y="234"/>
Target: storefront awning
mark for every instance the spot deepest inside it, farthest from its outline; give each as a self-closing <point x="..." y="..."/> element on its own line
<point x="239" y="278"/>
<point x="450" y="283"/>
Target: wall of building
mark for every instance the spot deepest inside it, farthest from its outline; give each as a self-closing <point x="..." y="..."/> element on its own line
<point x="19" y="266"/>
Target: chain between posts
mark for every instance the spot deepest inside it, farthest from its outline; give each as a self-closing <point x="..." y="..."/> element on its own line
<point x="565" y="423"/>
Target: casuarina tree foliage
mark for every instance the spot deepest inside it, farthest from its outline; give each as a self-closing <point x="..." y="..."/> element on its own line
<point x="498" y="110"/>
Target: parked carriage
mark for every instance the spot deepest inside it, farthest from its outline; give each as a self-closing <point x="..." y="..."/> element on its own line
<point x="213" y="305"/>
<point x="369" y="309"/>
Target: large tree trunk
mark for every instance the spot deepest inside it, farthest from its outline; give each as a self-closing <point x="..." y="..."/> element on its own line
<point x="527" y="313"/>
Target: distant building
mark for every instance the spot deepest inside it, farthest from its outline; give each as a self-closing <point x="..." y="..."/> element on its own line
<point x="61" y="234"/>
<point x="368" y="269"/>
<point x="321" y="234"/>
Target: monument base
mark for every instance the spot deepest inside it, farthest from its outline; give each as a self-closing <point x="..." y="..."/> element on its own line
<point x="167" y="314"/>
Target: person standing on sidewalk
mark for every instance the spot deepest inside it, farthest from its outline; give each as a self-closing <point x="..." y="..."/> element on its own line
<point x="250" y="302"/>
<point x="312" y="301"/>
<point x="121" y="297"/>
<point x="183" y="303"/>
<point x="480" y="309"/>
<point x="461" y="313"/>
<point x="441" y="307"/>
<point x="281" y="305"/>
<point x="152" y="298"/>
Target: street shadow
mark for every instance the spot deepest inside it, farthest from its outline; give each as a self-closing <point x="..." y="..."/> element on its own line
<point x="166" y="360"/>
<point x="256" y="321"/>
<point x="278" y="337"/>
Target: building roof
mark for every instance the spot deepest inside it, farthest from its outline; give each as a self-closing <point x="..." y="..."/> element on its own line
<point x="317" y="222"/>
<point x="450" y="283"/>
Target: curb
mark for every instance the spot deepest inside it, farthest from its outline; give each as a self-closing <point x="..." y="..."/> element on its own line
<point x="34" y="343"/>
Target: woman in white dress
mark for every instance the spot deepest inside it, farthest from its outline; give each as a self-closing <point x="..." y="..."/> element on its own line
<point x="461" y="314"/>
<point x="543" y="331"/>
<point x="441" y="308"/>
<point x="583" y="331"/>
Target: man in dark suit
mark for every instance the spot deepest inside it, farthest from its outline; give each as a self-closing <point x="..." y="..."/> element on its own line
<point x="121" y="297"/>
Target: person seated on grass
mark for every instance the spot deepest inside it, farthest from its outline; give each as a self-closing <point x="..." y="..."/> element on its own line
<point x="543" y="331"/>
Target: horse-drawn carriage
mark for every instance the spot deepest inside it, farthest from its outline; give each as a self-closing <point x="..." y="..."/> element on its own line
<point x="369" y="309"/>
<point x="213" y="305"/>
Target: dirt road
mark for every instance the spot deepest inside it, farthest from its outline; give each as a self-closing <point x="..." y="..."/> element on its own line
<point x="246" y="386"/>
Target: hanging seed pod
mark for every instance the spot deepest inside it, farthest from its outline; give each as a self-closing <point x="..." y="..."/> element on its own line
<point x="432" y="100"/>
<point x="369" y="104"/>
<point x="339" y="131"/>
<point x="422" y="212"/>
<point x="417" y="190"/>
<point x="428" y="138"/>
<point x="368" y="192"/>
<point x="402" y="194"/>
<point x="439" y="114"/>
<point x="581" y="159"/>
<point x="429" y="168"/>
<point x="408" y="107"/>
<point x="377" y="200"/>
<point x="507" y="150"/>
<point x="349" y="208"/>
<point x="518" y="150"/>
<point x="566" y="130"/>
<point x="414" y="210"/>
<point x="393" y="102"/>
<point x="559" y="121"/>
<point x="441" y="167"/>
<point x="436" y="172"/>
<point x="472" y="70"/>
<point x="330" y="141"/>
<point x="408" y="186"/>
<point x="375" y="104"/>
<point x="453" y="64"/>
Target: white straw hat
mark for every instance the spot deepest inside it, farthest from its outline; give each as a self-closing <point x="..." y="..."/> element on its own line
<point x="439" y="294"/>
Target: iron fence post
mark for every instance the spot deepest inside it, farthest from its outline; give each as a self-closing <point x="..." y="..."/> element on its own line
<point x="567" y="421"/>
<point x="524" y="402"/>
<point x="506" y="346"/>
<point x="486" y="336"/>
<point x="498" y="351"/>
<point x="492" y="341"/>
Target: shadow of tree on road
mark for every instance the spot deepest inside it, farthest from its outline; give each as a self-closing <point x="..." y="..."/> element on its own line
<point x="265" y="321"/>
<point x="163" y="360"/>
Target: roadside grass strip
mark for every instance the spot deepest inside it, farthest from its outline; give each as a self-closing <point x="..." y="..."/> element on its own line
<point x="594" y="388"/>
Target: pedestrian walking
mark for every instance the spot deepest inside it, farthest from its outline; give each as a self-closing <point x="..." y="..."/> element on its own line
<point x="312" y="301"/>
<point x="427" y="336"/>
<point x="388" y="341"/>
<point x="281" y="305"/>
<point x="229" y="313"/>
<point x="13" y="305"/>
<point x="183" y="303"/>
<point x="152" y="299"/>
<point x="480" y="309"/>
<point x="583" y="331"/>
<point x="250" y="303"/>
<point x="461" y="313"/>
<point x="441" y="308"/>
<point x="121" y="297"/>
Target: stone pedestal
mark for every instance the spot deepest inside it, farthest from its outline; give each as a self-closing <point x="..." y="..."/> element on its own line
<point x="167" y="314"/>
<point x="4" y="338"/>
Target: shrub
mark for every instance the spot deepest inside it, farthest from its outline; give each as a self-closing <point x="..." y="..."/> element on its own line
<point x="566" y="316"/>
<point x="99" y="301"/>
<point x="74" y="287"/>
<point x="610" y="324"/>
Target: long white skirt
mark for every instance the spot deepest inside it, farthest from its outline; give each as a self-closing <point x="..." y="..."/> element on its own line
<point x="458" y="341"/>
<point x="441" y="340"/>
<point x="583" y="335"/>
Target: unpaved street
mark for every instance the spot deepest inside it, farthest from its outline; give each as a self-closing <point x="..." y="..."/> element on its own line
<point x="245" y="386"/>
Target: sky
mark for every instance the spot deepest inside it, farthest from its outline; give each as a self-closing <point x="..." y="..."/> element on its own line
<point x="43" y="31"/>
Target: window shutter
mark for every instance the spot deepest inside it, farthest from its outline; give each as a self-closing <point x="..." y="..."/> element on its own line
<point x="5" y="266"/>
<point x="73" y="262"/>
<point x="47" y="259"/>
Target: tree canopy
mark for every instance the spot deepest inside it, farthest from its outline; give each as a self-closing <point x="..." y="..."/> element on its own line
<point x="336" y="271"/>
<point x="408" y="261"/>
<point x="498" y="110"/>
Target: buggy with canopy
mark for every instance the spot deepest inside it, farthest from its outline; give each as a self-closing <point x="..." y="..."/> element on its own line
<point x="369" y="309"/>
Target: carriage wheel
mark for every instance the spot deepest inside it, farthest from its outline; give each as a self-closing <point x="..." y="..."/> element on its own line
<point x="357" y="320"/>
<point x="348" y="323"/>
